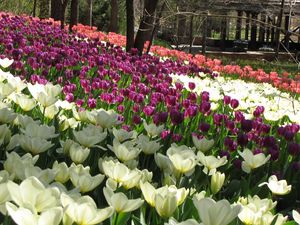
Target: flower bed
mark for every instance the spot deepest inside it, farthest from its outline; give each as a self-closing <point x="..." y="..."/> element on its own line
<point x="148" y="140"/>
<point x="52" y="154"/>
<point x="282" y="81"/>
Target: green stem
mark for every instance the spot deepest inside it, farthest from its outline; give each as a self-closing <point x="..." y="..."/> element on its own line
<point x="249" y="183"/>
<point x="43" y="119"/>
<point x="116" y="219"/>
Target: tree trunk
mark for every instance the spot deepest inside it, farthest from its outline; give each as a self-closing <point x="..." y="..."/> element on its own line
<point x="204" y="36"/>
<point x="181" y="22"/>
<point x="44" y="8"/>
<point x="191" y="37"/>
<point x="56" y="8"/>
<point x="273" y="30"/>
<point x="247" y="25"/>
<point x="238" y="28"/>
<point x="130" y="25"/>
<point x="223" y="31"/>
<point x="113" y="25"/>
<point x="90" y="12"/>
<point x="63" y="14"/>
<point x="146" y="25"/>
<point x="74" y="14"/>
<point x="278" y="29"/>
<point x="157" y="21"/>
<point x="253" y="34"/>
<point x="268" y="31"/>
<point x="286" y="28"/>
<point x="262" y="29"/>
<point x="34" y="8"/>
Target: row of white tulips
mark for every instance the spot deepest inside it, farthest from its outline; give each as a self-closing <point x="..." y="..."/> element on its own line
<point x="250" y="95"/>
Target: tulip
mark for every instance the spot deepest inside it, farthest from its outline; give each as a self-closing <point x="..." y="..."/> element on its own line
<point x="255" y="210"/>
<point x="147" y="146"/>
<point x="165" y="199"/>
<point x="152" y="129"/>
<point x="296" y="216"/>
<point x="183" y="158"/>
<point x="200" y="195"/>
<point x="121" y="173"/>
<point x="165" y="204"/>
<point x="84" y="211"/>
<point x="277" y="187"/>
<point x="258" y="211"/>
<point x="217" y="181"/>
<point x="217" y="213"/>
<point x="78" y="154"/>
<point x="24" y="216"/>
<point x="82" y="179"/>
<point x="6" y="115"/>
<point x="49" y="90"/>
<point x="23" y="120"/>
<point x="122" y="135"/>
<point x="4" y="63"/>
<point x="84" y="116"/>
<point x="172" y="221"/>
<point x="126" y="151"/>
<point x="41" y="131"/>
<point x="203" y="144"/>
<point x="61" y="171"/>
<point x="204" y="127"/>
<point x="34" y="145"/>
<point x="120" y="202"/>
<point x="90" y="136"/>
<point x="234" y="103"/>
<point x="44" y="99"/>
<point x="33" y="195"/>
<point x="5" y="134"/>
<point x="25" y="102"/>
<point x="164" y="163"/>
<point x="176" y="117"/>
<point x="252" y="161"/>
<point x="4" y="193"/>
<point x="211" y="163"/>
<point x="15" y="165"/>
<point x="106" y="119"/>
<point x="46" y="176"/>
<point x="50" y="111"/>
<point x="6" y="89"/>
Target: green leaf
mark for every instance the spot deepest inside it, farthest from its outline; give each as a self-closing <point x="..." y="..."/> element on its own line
<point x="123" y="218"/>
<point x="274" y="220"/>
<point x="290" y="223"/>
<point x="136" y="220"/>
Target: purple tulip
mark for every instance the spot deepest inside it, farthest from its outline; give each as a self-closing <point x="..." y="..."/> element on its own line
<point x="70" y="97"/>
<point x="204" y="127"/>
<point x="226" y="100"/>
<point x="234" y="103"/>
<point x="176" y="137"/>
<point x="294" y="149"/>
<point x="92" y="103"/>
<point x="176" y="117"/>
<point x="136" y="119"/>
<point x="149" y="110"/>
<point x="242" y="139"/>
<point x="165" y="134"/>
<point x="204" y="107"/>
<point x="205" y="96"/>
<point x="246" y="125"/>
<point x="192" y="85"/>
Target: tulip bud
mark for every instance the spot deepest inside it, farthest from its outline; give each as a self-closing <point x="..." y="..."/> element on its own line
<point x="217" y="181"/>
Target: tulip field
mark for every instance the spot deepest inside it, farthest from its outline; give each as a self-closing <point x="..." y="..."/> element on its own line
<point x="92" y="134"/>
